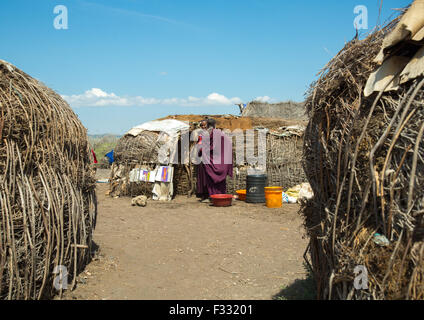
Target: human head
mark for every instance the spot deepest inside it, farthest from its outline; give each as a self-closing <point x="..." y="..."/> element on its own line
<point x="211" y="123"/>
<point x="204" y="124"/>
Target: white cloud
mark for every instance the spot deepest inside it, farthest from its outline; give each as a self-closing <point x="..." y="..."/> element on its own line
<point x="263" y="99"/>
<point x="96" y="97"/>
<point x="220" y="99"/>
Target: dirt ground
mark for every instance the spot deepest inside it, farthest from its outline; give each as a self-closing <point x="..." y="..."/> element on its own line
<point x="187" y="250"/>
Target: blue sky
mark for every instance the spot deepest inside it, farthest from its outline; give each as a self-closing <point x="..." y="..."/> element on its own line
<point x="123" y="62"/>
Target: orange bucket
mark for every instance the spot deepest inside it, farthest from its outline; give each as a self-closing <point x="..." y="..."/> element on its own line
<point x="241" y="194"/>
<point x="274" y="197"/>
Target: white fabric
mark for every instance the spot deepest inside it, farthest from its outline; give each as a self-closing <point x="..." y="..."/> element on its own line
<point x="305" y="192"/>
<point x="170" y="130"/>
<point x="142" y="175"/>
<point x="163" y="191"/>
<point x="170" y="126"/>
<point x="168" y="151"/>
<point x="160" y="171"/>
<point x="288" y="131"/>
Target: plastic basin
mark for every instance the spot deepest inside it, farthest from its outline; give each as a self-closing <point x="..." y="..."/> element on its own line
<point x="222" y="200"/>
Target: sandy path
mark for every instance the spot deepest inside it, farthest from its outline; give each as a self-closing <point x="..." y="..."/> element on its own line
<point x="188" y="250"/>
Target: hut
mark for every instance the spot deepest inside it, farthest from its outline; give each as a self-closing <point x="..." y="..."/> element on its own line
<point x="47" y="189"/>
<point x="364" y="160"/>
<point x="284" y="147"/>
<point x="143" y="150"/>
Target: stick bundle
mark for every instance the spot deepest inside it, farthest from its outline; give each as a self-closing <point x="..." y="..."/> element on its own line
<point x="47" y="188"/>
<point x="364" y="160"/>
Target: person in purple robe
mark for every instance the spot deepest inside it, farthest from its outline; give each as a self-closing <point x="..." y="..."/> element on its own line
<point x="217" y="162"/>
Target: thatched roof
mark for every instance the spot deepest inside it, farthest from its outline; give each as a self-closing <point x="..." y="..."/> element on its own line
<point x="288" y="110"/>
<point x="46" y="187"/>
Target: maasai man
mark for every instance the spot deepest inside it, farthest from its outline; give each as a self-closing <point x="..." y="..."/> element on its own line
<point x="217" y="162"/>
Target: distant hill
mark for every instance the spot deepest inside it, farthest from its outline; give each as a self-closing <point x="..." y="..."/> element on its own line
<point x="100" y="136"/>
<point x="103" y="143"/>
<point x="288" y="110"/>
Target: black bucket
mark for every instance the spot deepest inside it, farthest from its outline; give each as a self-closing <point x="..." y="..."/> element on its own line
<point x="255" y="191"/>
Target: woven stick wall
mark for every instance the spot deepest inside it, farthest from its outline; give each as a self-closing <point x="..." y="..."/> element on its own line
<point x="364" y="161"/>
<point x="283" y="163"/>
<point x="47" y="188"/>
